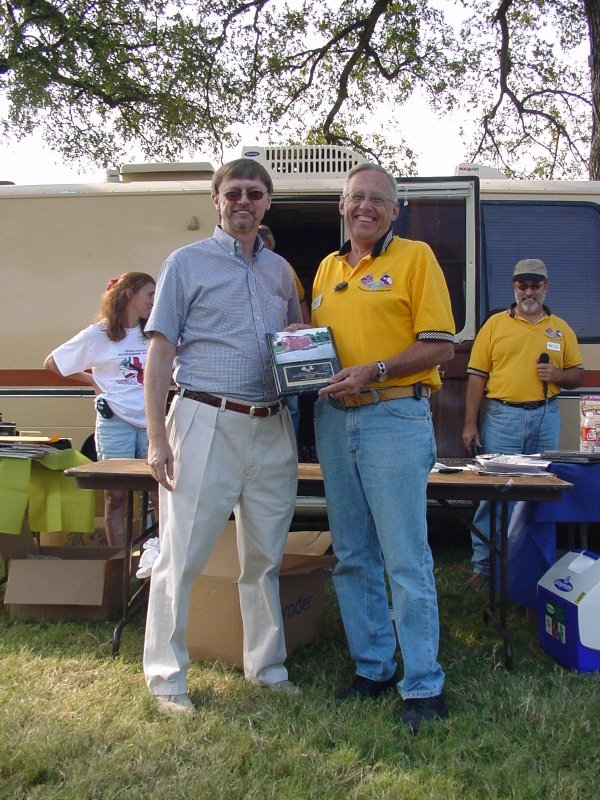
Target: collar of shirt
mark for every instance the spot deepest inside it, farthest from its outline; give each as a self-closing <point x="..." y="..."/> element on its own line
<point x="232" y="245"/>
<point x="512" y="310"/>
<point x="380" y="246"/>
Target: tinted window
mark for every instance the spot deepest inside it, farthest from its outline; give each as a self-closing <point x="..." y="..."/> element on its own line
<point x="441" y="223"/>
<point x="566" y="236"/>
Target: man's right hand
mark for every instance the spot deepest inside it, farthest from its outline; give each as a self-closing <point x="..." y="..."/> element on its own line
<point x="160" y="461"/>
<point x="470" y="436"/>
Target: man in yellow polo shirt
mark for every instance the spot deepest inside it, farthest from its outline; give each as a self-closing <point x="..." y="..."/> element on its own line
<point x="521" y="358"/>
<point x="387" y="303"/>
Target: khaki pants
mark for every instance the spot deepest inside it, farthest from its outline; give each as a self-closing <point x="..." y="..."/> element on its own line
<point x="224" y="461"/>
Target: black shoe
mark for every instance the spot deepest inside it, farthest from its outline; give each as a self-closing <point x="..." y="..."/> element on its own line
<point x="366" y="689"/>
<point x="423" y="709"/>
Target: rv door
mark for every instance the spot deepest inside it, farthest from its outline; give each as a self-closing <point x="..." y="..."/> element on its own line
<point x="444" y="212"/>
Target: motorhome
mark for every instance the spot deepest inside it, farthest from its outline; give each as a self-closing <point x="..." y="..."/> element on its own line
<point x="61" y="243"/>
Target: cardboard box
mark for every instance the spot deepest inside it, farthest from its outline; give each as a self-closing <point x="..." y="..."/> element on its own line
<point x="97" y="538"/>
<point x="215" y="621"/>
<point x="65" y="583"/>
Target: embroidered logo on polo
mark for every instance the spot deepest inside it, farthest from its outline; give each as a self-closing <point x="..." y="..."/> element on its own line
<point x="554" y="334"/>
<point x="370" y="284"/>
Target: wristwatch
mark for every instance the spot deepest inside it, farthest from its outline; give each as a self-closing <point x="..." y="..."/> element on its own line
<point x="382" y="373"/>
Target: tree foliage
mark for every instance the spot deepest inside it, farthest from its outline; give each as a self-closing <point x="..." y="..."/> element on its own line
<point x="529" y="98"/>
<point x="170" y="77"/>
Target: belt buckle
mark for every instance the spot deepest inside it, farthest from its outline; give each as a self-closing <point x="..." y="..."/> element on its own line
<point x="352" y="401"/>
<point x="336" y="402"/>
<point x="253" y="411"/>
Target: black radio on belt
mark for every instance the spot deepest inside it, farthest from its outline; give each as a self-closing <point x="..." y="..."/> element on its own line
<point x="103" y="408"/>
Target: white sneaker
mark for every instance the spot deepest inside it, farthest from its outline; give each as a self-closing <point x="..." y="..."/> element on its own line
<point x="283" y="686"/>
<point x="174" y="704"/>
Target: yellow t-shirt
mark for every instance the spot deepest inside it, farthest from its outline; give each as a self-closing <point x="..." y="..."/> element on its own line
<point x="391" y="300"/>
<point x="506" y="351"/>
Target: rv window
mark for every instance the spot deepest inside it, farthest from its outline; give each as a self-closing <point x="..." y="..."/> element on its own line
<point x="441" y="222"/>
<point x="566" y="236"/>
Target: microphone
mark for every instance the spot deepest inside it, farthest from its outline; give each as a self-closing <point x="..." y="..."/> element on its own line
<point x="544" y="359"/>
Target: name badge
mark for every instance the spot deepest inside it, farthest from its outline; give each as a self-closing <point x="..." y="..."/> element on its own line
<point x="553" y="346"/>
<point x="316" y="302"/>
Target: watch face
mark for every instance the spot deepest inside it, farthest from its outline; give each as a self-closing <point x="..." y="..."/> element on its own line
<point x="383" y="373"/>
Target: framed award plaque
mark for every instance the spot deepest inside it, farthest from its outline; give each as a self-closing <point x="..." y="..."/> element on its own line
<point x="303" y="360"/>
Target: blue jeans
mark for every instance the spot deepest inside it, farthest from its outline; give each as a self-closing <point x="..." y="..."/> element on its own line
<point x="510" y="430"/>
<point x="116" y="438"/>
<point x="375" y="461"/>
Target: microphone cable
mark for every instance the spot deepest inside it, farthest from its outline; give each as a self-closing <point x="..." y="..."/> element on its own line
<point x="544" y="358"/>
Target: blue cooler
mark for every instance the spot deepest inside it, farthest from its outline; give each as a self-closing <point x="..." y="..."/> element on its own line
<point x="568" y="611"/>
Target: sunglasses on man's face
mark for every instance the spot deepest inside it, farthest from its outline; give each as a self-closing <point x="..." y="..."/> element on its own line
<point x="234" y="195"/>
<point x="535" y="287"/>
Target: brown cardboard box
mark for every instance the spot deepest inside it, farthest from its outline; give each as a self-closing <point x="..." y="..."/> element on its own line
<point x="215" y="622"/>
<point x="65" y="583"/>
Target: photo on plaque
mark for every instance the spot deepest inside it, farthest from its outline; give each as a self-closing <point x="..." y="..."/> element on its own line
<point x="303" y="360"/>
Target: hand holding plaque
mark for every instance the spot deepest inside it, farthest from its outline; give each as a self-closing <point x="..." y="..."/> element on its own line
<point x="303" y="360"/>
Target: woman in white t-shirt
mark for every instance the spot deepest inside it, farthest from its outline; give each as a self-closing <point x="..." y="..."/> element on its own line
<point x="114" y="348"/>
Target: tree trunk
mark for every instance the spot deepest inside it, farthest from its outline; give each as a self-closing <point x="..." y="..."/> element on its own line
<point x="592" y="12"/>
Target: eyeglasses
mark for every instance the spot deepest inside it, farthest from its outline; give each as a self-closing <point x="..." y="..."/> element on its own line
<point x="535" y="287"/>
<point x="234" y="195"/>
<point x="373" y="199"/>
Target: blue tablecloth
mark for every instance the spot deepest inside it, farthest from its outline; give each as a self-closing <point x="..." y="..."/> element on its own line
<point x="532" y="531"/>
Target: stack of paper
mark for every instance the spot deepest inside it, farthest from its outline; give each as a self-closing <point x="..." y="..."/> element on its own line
<point x="512" y="465"/>
<point x="27" y="446"/>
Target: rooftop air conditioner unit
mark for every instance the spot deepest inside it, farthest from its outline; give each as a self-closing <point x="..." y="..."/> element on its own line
<point x="304" y="161"/>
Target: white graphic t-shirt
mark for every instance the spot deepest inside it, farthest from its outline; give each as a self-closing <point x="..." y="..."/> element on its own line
<point x="117" y="367"/>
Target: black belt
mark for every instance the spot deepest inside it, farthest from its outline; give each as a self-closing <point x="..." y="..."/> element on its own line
<point x="230" y="405"/>
<point x="529" y="405"/>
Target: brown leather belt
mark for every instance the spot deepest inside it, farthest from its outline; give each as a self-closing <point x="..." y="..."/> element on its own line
<point x="369" y="396"/>
<point x="230" y="405"/>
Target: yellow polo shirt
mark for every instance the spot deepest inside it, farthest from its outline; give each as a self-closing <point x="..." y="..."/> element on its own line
<point x="391" y="300"/>
<point x="506" y="351"/>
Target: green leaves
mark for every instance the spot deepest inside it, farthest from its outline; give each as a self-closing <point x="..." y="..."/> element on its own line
<point x="169" y="78"/>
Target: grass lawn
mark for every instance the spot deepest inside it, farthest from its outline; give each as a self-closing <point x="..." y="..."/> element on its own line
<point x="77" y="724"/>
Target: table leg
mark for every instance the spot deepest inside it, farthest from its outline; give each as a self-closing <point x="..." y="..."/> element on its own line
<point x="571" y="535"/>
<point x="583" y="535"/>
<point x="493" y="552"/>
<point x="116" y="642"/>
<point x="139" y="599"/>
<point x="500" y="553"/>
